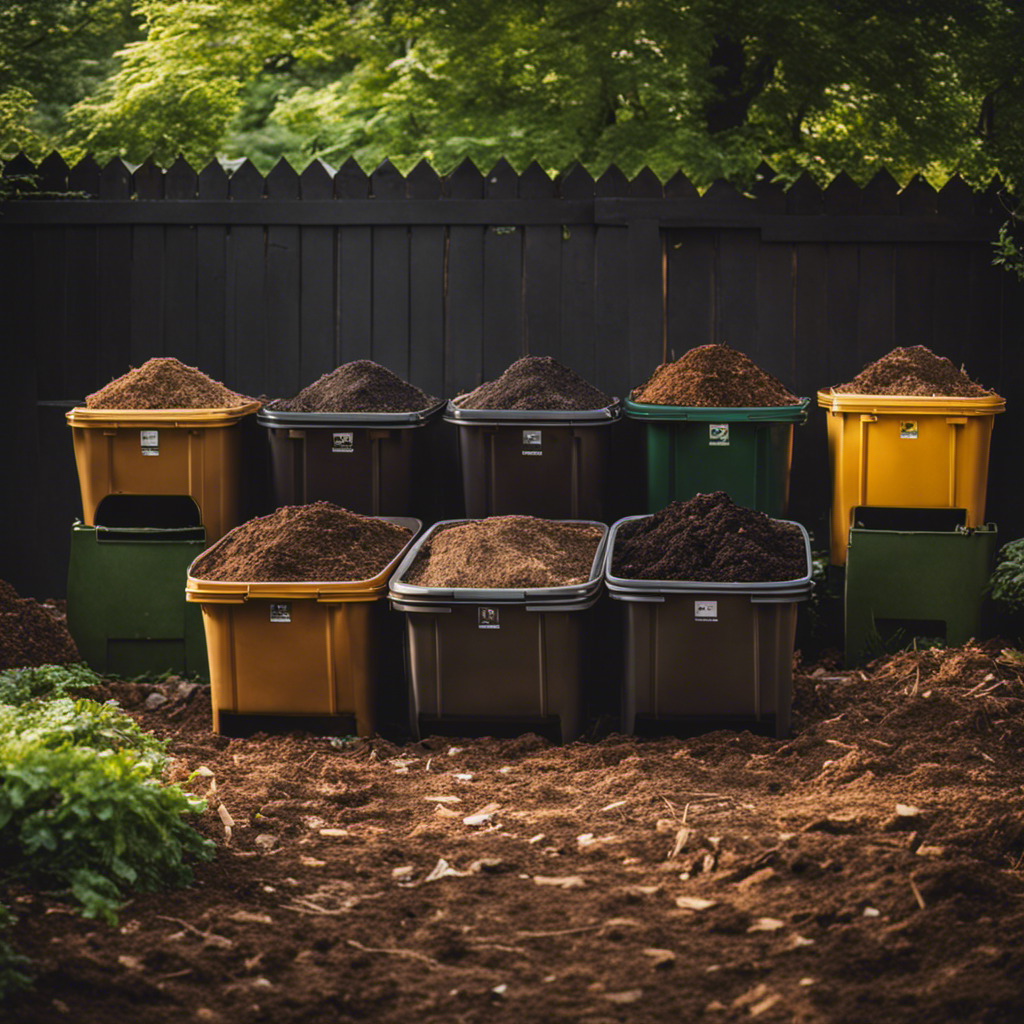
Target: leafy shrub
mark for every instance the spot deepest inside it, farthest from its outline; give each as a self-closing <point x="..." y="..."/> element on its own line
<point x="12" y="975"/>
<point x="19" y="685"/>
<point x="1006" y="585"/>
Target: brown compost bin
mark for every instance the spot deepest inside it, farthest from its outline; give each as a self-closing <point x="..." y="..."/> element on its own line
<point x="302" y="650"/>
<point x="162" y="451"/>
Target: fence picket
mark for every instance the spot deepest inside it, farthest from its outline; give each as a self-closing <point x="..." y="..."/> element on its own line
<point x="246" y="344"/>
<point x="390" y="278"/>
<point x="542" y="272"/>
<point x="317" y="283"/>
<point x="283" y="299"/>
<point x="355" y="271"/>
<point x="504" y="335"/>
<point x="181" y="182"/>
<point x="211" y="278"/>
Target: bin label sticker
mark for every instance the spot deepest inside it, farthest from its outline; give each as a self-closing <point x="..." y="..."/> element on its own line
<point x="718" y="435"/>
<point x="908" y="429"/>
<point x="150" y="442"/>
<point x="487" y="618"/>
<point x="532" y="441"/>
<point x="280" y="611"/>
<point x="705" y="611"/>
<point x="343" y="442"/>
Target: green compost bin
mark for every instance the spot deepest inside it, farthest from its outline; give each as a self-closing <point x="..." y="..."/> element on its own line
<point x="126" y="587"/>
<point x="914" y="573"/>
<point x="745" y="452"/>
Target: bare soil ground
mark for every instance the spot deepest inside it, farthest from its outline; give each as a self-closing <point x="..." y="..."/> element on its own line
<point x="867" y="870"/>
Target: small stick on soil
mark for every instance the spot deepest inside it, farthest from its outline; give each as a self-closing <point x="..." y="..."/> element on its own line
<point x="917" y="893"/>
<point x="412" y="954"/>
<point x="561" y="931"/>
<point x="671" y="807"/>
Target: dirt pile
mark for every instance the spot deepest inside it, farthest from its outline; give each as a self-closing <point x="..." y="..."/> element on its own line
<point x="712" y="376"/>
<point x="164" y="383"/>
<point x="709" y="539"/>
<point x="31" y="633"/>
<point x="913" y="370"/>
<point x="304" y="543"/>
<point x="359" y="386"/>
<point x="537" y="383"/>
<point x="507" y="551"/>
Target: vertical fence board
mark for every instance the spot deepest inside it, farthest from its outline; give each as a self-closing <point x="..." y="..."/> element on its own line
<point x="876" y="277"/>
<point x="736" y="277"/>
<point x="504" y="336"/>
<point x="114" y="270"/>
<point x="49" y="285"/>
<point x="81" y="339"/>
<point x="147" y="294"/>
<point x="611" y="297"/>
<point x="542" y="273"/>
<point x="645" y="270"/>
<point x="464" y="299"/>
<point x="577" y="305"/>
<point x="211" y="279"/>
<point x="355" y="271"/>
<point x="180" y="261"/>
<point x="426" y="289"/>
<point x="246" y="344"/>
<point x="316" y="282"/>
<point x="692" y="312"/>
<point x="282" y="294"/>
<point x="390" y="278"/>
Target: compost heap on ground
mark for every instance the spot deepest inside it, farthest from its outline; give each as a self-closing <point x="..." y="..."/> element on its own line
<point x="537" y="383"/>
<point x="320" y="542"/>
<point x="712" y="376"/>
<point x="165" y="383"/>
<point x="31" y="633"/>
<point x="709" y="539"/>
<point x="359" y="386"/>
<point x="507" y="551"/>
<point x="913" y="370"/>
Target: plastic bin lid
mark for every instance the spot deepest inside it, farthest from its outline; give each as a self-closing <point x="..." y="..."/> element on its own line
<point x="284" y="418"/>
<point x="565" y="417"/>
<point x="410" y="593"/>
<point x="81" y="416"/>
<point x="325" y="591"/>
<point x="939" y="405"/>
<point x="621" y="585"/>
<point x="714" y="414"/>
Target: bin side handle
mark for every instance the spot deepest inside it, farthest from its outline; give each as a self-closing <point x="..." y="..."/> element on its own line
<point x="429" y="609"/>
<point x="778" y="598"/>
<point x="862" y="469"/>
<point x="637" y="598"/>
<point x="954" y="422"/>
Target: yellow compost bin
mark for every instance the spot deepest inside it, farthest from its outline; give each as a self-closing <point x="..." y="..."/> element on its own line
<point x="907" y="451"/>
<point x="296" y="649"/>
<point x="162" y="451"/>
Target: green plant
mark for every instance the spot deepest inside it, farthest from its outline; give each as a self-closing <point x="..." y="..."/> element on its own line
<point x="1009" y="250"/>
<point x="1006" y="584"/>
<point x="19" y="685"/>
<point x="12" y="976"/>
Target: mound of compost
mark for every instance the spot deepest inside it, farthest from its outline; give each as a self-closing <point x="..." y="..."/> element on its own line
<point x="31" y="633"/>
<point x="304" y="543"/>
<point x="712" y="376"/>
<point x="709" y="539"/>
<point x="538" y="383"/>
<point x="165" y="383"/>
<point x="507" y="551"/>
<point x="913" y="370"/>
<point x="359" y="386"/>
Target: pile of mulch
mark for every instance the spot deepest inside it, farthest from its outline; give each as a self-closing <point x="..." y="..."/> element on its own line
<point x="867" y="869"/>
<point x="913" y="370"/>
<point x="507" y="551"/>
<point x="537" y="383"/>
<point x="165" y="383"/>
<point x="712" y="376"/>
<point x="33" y="634"/>
<point x="320" y="542"/>
<point x="709" y="539"/>
<point x="359" y="386"/>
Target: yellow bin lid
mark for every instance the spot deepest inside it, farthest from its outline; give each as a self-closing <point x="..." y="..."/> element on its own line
<point x="81" y="416"/>
<point x="324" y="591"/>
<point x="941" y="405"/>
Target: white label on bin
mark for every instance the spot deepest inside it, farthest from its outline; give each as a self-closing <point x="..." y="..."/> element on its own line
<point x="150" y="442"/>
<point x="280" y="611"/>
<point x="534" y="438"/>
<point x="705" y="611"/>
<point x="343" y="443"/>
<point x="487" y="618"/>
<point x="718" y="435"/>
<point x="908" y="429"/>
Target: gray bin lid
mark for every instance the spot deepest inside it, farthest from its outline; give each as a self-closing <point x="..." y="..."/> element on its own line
<point x="410" y="593"/>
<point x="525" y="417"/>
<point x="284" y="418"/>
<point x="620" y="588"/>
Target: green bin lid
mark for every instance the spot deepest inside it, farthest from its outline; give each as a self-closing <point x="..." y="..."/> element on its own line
<point x="719" y="414"/>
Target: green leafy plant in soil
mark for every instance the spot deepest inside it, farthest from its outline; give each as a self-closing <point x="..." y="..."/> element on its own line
<point x="12" y="965"/>
<point x="82" y="807"/>
<point x="18" y="685"/>
<point x="1006" y="587"/>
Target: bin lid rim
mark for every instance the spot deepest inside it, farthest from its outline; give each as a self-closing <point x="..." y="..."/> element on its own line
<point x="848" y="401"/>
<point x="729" y="413"/>
<point x="799" y="584"/>
<point x="472" y="595"/>
<point x="81" y="415"/>
<point x="243" y="589"/>
<point x="567" y="417"/>
<point x="285" y="418"/>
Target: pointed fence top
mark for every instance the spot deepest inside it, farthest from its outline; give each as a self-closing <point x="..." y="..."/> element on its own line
<point x="246" y="182"/>
<point x="213" y="181"/>
<point x="842" y="195"/>
<point x="534" y="183"/>
<point x="880" y="194"/>
<point x="646" y="185"/>
<point x="679" y="186"/>
<point x="181" y="181"/>
<point x="317" y="180"/>
<point x="423" y="182"/>
<point x="85" y="176"/>
<point x="351" y="181"/>
<point x="612" y="184"/>
<point x="387" y="181"/>
<point x="804" y="195"/>
<point x="501" y="181"/>
<point x="115" y="180"/>
<point x="466" y="181"/>
<point x="578" y="183"/>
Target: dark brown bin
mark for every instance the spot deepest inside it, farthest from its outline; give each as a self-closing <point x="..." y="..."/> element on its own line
<point x="365" y="462"/>
<point x="550" y="464"/>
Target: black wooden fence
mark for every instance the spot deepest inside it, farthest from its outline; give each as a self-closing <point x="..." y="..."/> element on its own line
<point x="265" y="283"/>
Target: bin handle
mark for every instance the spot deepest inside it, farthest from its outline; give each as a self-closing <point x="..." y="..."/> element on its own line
<point x="637" y="598"/>
<point x="954" y="422"/>
<point x="430" y="609"/>
<point x="862" y="469"/>
<point x="778" y="598"/>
